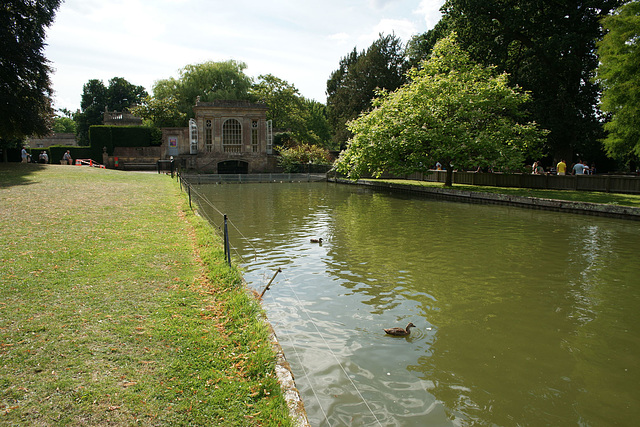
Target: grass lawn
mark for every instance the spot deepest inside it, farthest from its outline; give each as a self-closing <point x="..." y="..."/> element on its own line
<point x="116" y="307"/>
<point x="576" y="196"/>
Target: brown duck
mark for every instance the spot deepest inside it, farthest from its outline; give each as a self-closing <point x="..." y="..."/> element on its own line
<point x="400" y="331"/>
<point x="317" y="240"/>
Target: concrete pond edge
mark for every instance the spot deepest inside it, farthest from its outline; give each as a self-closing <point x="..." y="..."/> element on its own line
<point x="584" y="208"/>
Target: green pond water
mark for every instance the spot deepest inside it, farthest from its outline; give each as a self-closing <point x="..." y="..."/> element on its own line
<point x="522" y="317"/>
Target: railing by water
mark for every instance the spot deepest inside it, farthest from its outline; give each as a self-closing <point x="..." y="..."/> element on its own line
<point x="198" y="179"/>
<point x="605" y="183"/>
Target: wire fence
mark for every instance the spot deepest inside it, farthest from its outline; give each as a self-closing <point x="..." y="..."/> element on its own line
<point x="221" y="228"/>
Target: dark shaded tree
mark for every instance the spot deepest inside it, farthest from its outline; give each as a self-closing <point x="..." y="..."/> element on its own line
<point x="120" y="95"/>
<point x="548" y="47"/>
<point x="420" y="46"/>
<point x="25" y="88"/>
<point x="353" y="85"/>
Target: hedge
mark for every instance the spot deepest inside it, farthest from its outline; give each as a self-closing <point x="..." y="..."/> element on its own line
<point x="122" y="136"/>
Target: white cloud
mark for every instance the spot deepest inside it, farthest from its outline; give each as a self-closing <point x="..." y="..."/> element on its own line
<point x="148" y="40"/>
<point x="430" y="10"/>
<point x="402" y="28"/>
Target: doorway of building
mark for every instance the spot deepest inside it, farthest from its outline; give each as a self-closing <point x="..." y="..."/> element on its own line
<point x="233" y="166"/>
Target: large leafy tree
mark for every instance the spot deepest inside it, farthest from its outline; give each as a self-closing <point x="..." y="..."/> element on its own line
<point x="317" y="121"/>
<point x="619" y="75"/>
<point x="284" y="103"/>
<point x="453" y="111"/>
<point x="119" y="95"/>
<point x="304" y="120"/>
<point x="352" y="86"/>
<point x="209" y="80"/>
<point x="25" y="89"/>
<point x="159" y="112"/>
<point x="548" y="47"/>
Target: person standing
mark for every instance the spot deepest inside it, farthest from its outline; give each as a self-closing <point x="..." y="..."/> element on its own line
<point x="578" y="168"/>
<point x="561" y="167"/>
<point x="24" y="155"/>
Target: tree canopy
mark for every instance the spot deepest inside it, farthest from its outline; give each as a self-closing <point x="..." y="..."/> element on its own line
<point x="96" y="97"/>
<point x="548" y="48"/>
<point x="284" y="103"/>
<point x="25" y="88"/>
<point x="619" y="75"/>
<point x="159" y="112"/>
<point x="352" y="86"/>
<point x="305" y="120"/>
<point x="209" y="80"/>
<point x="453" y="111"/>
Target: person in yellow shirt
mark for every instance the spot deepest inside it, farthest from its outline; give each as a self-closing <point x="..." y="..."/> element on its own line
<point x="561" y="168"/>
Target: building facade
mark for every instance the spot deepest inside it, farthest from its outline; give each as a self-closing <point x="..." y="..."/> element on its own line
<point x="68" y="139"/>
<point x="223" y="137"/>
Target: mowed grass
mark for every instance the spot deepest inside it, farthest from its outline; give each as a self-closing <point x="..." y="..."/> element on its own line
<point x="116" y="308"/>
<point x="575" y="196"/>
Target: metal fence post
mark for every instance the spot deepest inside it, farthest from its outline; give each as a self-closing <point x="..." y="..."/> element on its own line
<point x="227" y="248"/>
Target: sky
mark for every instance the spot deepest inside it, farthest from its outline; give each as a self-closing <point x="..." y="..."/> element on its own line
<point x="299" y="41"/>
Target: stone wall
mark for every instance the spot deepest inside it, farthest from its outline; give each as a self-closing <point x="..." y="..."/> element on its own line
<point x="68" y="139"/>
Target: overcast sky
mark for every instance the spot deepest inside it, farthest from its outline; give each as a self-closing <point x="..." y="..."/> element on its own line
<point x="143" y="41"/>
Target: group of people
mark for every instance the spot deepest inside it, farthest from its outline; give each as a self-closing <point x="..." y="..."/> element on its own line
<point x="43" y="157"/>
<point x="578" y="168"/>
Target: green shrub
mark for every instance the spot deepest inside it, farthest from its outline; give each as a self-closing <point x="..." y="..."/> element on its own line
<point x="294" y="159"/>
<point x="123" y="136"/>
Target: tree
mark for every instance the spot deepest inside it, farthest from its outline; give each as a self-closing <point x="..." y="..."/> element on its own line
<point x="420" y="46"/>
<point x="64" y="125"/>
<point x="302" y="154"/>
<point x="96" y="98"/>
<point x="284" y="103"/>
<point x="304" y="120"/>
<point x="453" y="111"/>
<point x="25" y="88"/>
<point x="548" y="47"/>
<point x="318" y="122"/>
<point x="160" y="112"/>
<point x="209" y="80"/>
<point x="121" y="95"/>
<point x="92" y="105"/>
<point x="619" y="76"/>
<point x="352" y="86"/>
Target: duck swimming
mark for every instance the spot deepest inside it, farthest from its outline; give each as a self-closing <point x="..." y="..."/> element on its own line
<point x="316" y="240"/>
<point x="400" y="331"/>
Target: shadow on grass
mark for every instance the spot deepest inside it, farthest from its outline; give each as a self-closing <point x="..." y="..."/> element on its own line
<point x="14" y="174"/>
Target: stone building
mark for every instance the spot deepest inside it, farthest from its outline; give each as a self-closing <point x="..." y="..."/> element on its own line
<point x="68" y="139"/>
<point x="224" y="137"/>
<point x="120" y="118"/>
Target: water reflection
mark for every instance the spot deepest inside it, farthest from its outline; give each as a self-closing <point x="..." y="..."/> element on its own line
<point x="523" y="317"/>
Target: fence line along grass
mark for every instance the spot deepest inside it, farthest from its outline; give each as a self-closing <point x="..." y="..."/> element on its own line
<point x="116" y="307"/>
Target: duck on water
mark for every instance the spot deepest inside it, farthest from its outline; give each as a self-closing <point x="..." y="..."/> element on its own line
<point x="400" y="331"/>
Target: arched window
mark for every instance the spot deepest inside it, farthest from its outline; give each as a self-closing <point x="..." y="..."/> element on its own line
<point x="232" y="136"/>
